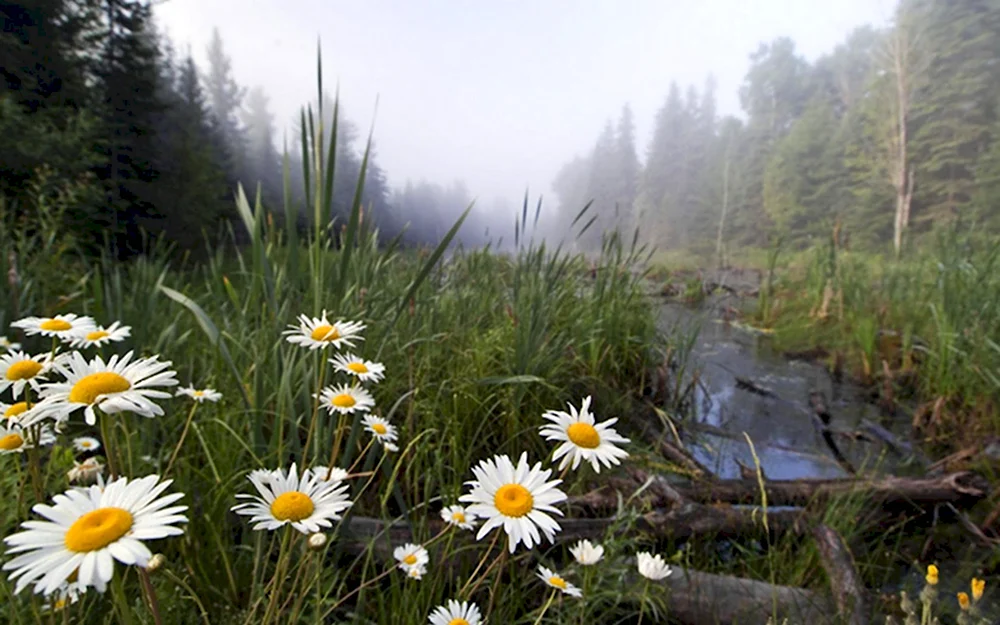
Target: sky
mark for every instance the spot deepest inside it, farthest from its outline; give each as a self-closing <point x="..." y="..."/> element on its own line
<point x="500" y="93"/>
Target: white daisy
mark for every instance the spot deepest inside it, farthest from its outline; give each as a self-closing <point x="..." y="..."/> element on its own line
<point x="308" y="503"/>
<point x="346" y="399"/>
<point x="319" y="333"/>
<point x="18" y="369"/>
<point x="88" y="529"/>
<point x="8" y="346"/>
<point x="326" y="474"/>
<point x="383" y="431"/>
<point x="459" y="517"/>
<point x="582" y="439"/>
<point x="554" y="580"/>
<point x="64" y="596"/>
<point x="85" y="472"/>
<point x="455" y="613"/>
<point x="652" y="567"/>
<point x="99" y="335"/>
<point x="200" y="395"/>
<point x="65" y="327"/>
<point x="587" y="553"/>
<point x="390" y="447"/>
<point x="411" y="556"/>
<point x="364" y="370"/>
<point x="416" y="572"/>
<point x="86" y="443"/>
<point x="518" y="499"/>
<point x="15" y="438"/>
<point x="118" y="385"/>
<point x="16" y="412"/>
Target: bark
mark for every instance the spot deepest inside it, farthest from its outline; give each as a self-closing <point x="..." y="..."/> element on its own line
<point x="848" y="591"/>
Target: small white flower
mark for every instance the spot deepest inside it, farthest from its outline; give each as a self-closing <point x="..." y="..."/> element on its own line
<point x="86" y="443"/>
<point x="410" y="556"/>
<point x="16" y="413"/>
<point x="554" y="580"/>
<point x="455" y="613"/>
<point x="383" y="431"/>
<point x="326" y="474"/>
<point x="199" y="395"/>
<point x="18" y="369"/>
<point x="307" y="503"/>
<point x="319" y="332"/>
<point x="587" y="553"/>
<point x="390" y="447"/>
<point x="86" y="472"/>
<point x="459" y="517"/>
<point x="317" y="541"/>
<point x="65" y="327"/>
<point x="582" y="439"/>
<point x="416" y="572"/>
<point x="652" y="567"/>
<point x="15" y="439"/>
<point x="363" y="370"/>
<point x="8" y="346"/>
<point x="346" y="399"/>
<point x="98" y="336"/>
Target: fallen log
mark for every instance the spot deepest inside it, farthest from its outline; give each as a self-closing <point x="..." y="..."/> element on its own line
<point x="848" y="591"/>
<point x="961" y="489"/>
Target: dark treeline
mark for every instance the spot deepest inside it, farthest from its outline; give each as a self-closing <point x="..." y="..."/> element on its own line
<point x="103" y="120"/>
<point x="892" y="133"/>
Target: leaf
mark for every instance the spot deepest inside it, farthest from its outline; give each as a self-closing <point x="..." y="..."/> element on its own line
<point x="513" y="379"/>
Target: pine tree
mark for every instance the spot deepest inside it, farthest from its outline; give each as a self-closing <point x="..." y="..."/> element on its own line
<point x="226" y="99"/>
<point x="626" y="167"/>
<point x="263" y="164"/>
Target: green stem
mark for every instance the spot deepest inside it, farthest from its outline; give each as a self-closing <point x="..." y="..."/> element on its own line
<point x="177" y="449"/>
<point x="106" y="436"/>
<point x="545" y="608"/>
<point x="150" y="592"/>
<point x="315" y="414"/>
<point x="283" y="556"/>
<point x="121" y="599"/>
<point x="486" y="554"/>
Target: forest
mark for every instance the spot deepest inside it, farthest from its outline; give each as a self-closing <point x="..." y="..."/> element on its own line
<point x="892" y="134"/>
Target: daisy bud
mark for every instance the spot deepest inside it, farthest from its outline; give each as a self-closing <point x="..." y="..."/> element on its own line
<point x="317" y="541"/>
<point x="157" y="561"/>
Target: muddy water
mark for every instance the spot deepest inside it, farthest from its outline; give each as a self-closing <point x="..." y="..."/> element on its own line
<point x="783" y="429"/>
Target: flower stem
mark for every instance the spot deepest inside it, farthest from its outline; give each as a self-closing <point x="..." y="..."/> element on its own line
<point x="177" y="449"/>
<point x="108" y="451"/>
<point x="315" y="415"/>
<point x="482" y="561"/>
<point x="150" y="592"/>
<point x="545" y="608"/>
<point x="283" y="556"/>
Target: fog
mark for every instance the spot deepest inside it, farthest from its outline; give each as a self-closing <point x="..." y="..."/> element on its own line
<point x="500" y="94"/>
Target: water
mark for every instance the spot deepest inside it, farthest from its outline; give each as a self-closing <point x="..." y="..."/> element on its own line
<point x="783" y="428"/>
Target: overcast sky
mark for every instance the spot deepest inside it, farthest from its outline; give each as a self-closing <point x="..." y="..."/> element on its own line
<point x="500" y="93"/>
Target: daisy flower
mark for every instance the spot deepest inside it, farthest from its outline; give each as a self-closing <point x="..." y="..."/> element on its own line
<point x="8" y="345"/>
<point x="346" y="399"/>
<point x="15" y="439"/>
<point x="319" y="332"/>
<point x="99" y="335"/>
<point x="199" y="395"/>
<point x="85" y="472"/>
<point x="18" y="369"/>
<point x="652" y="567"/>
<point x="307" y="503"/>
<point x="411" y="556"/>
<point x="364" y="370"/>
<point x="86" y="443"/>
<point x="554" y="580"/>
<point x="455" y="613"/>
<point x="582" y="440"/>
<point x="88" y="529"/>
<point x="64" y="596"/>
<point x="326" y="474"/>
<point x="459" y="517"/>
<point x="518" y="499"/>
<point x="64" y="327"/>
<point x="383" y="431"/>
<point x="15" y="412"/>
<point x="118" y="385"/>
<point x="587" y="553"/>
<point x="390" y="447"/>
<point x="416" y="572"/>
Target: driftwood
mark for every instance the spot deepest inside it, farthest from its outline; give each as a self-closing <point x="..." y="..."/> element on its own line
<point x="697" y="598"/>
<point x="962" y="488"/>
<point x="848" y="590"/>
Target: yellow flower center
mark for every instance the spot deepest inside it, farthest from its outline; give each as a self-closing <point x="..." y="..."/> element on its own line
<point x="198" y="393"/>
<point x="16" y="409"/>
<point x="357" y="367"/>
<point x="513" y="500"/>
<point x="379" y="429"/>
<point x="410" y="559"/>
<point x="11" y="442"/>
<point x="963" y="600"/>
<point x="90" y="387"/>
<point x="558" y="582"/>
<point x="344" y="400"/>
<point x="96" y="335"/>
<point x="583" y="435"/>
<point x="292" y="506"/>
<point x="325" y="332"/>
<point x="60" y="604"/>
<point x="458" y="621"/>
<point x="97" y="529"/>
<point x="55" y="325"/>
<point x="458" y="517"/>
<point x="23" y="370"/>
<point x="86" y="444"/>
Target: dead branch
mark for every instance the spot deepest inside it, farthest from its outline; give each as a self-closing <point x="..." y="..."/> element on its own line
<point x="848" y="591"/>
